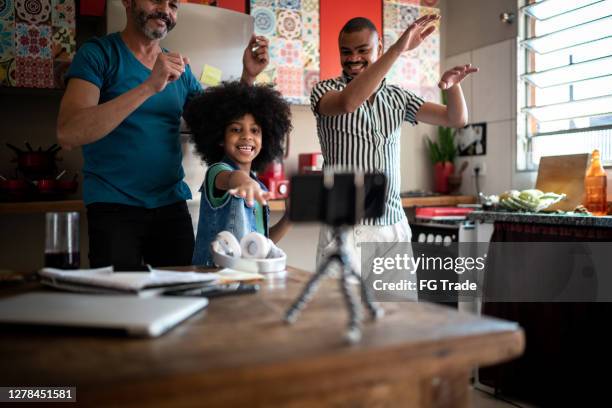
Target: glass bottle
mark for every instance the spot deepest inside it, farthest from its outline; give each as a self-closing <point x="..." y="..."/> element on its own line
<point x="595" y="185"/>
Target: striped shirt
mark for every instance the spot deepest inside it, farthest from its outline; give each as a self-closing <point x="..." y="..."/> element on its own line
<point x="369" y="138"/>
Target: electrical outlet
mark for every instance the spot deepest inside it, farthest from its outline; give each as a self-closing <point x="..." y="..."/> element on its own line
<point x="482" y="168"/>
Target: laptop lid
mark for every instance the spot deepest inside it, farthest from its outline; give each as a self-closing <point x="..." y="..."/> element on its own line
<point x="137" y="316"/>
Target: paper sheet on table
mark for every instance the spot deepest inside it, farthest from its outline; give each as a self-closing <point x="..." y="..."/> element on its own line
<point x="129" y="281"/>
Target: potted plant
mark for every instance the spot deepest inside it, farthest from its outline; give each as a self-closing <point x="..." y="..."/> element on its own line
<point x="442" y="154"/>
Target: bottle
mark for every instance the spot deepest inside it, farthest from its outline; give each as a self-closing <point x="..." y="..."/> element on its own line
<point x="595" y="185"/>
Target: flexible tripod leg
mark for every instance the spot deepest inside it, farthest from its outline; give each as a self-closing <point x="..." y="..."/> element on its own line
<point x="366" y="297"/>
<point x="353" y="333"/>
<point x="309" y="291"/>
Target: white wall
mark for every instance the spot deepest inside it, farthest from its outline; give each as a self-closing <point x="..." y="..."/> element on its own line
<point x="491" y="98"/>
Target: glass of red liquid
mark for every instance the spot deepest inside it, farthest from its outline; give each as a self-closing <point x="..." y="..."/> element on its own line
<point x="62" y="240"/>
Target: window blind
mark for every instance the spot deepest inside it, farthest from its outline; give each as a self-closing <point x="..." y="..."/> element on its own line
<point x="566" y="77"/>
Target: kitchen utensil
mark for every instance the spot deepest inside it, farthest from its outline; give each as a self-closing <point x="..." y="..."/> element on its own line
<point x="46" y="186"/>
<point x="35" y="164"/>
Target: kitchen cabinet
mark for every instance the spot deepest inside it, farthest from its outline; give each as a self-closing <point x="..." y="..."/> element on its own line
<point x="564" y="341"/>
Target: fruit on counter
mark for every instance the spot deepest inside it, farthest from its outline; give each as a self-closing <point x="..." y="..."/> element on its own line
<point x="529" y="200"/>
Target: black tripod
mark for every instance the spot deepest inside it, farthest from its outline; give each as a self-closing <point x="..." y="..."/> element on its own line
<point x="340" y="255"/>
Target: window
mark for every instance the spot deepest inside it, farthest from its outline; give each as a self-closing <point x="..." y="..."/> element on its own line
<point x="565" y="79"/>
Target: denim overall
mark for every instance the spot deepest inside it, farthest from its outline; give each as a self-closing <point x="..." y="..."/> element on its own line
<point x="233" y="216"/>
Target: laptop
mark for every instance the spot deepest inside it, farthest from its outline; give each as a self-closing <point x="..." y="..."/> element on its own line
<point x="137" y="316"/>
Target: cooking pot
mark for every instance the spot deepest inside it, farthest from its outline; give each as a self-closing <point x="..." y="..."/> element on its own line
<point x="36" y="163"/>
<point x="15" y="189"/>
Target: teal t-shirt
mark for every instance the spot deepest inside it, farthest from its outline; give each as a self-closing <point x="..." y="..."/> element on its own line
<point x="139" y="162"/>
<point x="219" y="197"/>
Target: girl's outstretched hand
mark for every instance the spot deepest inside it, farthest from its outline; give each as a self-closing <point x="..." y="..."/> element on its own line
<point x="251" y="191"/>
<point x="455" y="75"/>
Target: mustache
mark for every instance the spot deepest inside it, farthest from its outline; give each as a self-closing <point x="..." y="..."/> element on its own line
<point x="164" y="17"/>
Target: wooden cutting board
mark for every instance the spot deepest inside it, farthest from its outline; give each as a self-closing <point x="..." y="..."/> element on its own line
<point x="563" y="174"/>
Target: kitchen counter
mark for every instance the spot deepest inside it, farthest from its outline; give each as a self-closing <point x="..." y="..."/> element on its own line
<point x="407" y="202"/>
<point x="33" y="207"/>
<point x="542" y="218"/>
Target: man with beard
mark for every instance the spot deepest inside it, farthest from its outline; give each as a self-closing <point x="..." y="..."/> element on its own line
<point x="359" y="118"/>
<point x="123" y="104"/>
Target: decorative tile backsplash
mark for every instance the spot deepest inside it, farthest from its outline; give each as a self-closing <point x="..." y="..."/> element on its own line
<point x="418" y="71"/>
<point x="37" y="42"/>
<point x="292" y="26"/>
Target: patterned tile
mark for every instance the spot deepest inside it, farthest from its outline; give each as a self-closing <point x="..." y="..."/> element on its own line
<point x="289" y="81"/>
<point x="310" y="27"/>
<point x="289" y="4"/>
<point x="63" y="13"/>
<point x="263" y="3"/>
<point x="418" y="71"/>
<point x="265" y="21"/>
<point x="289" y="24"/>
<point x="390" y="15"/>
<point x="7" y="10"/>
<point x="287" y="52"/>
<point x="310" y="56"/>
<point x="33" y="41"/>
<point x="64" y="44"/>
<point x="430" y="48"/>
<point x="33" y="11"/>
<point x="430" y="72"/>
<point x="390" y="36"/>
<point x="310" y="6"/>
<point x="7" y="39"/>
<point x="292" y="26"/>
<point x="310" y="79"/>
<point x="34" y="72"/>
<point x="407" y="15"/>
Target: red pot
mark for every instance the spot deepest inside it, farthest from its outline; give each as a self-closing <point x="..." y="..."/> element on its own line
<point x="441" y="173"/>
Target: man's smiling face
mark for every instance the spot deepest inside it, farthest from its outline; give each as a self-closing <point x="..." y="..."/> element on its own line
<point x="358" y="50"/>
<point x="154" y="18"/>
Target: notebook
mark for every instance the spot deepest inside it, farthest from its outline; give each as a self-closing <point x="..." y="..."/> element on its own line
<point x="136" y="316"/>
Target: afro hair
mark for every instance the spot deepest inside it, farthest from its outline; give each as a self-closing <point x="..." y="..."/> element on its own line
<point x="210" y="112"/>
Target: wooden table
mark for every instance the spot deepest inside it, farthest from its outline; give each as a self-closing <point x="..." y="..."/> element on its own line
<point x="239" y="353"/>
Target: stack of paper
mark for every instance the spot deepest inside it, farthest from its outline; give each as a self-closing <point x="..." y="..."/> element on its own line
<point x="105" y="280"/>
<point x="154" y="282"/>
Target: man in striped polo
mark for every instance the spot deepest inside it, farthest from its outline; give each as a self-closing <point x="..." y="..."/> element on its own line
<point x="359" y="118"/>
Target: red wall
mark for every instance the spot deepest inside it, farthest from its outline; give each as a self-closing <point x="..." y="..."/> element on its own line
<point x="334" y="14"/>
<point x="236" y="5"/>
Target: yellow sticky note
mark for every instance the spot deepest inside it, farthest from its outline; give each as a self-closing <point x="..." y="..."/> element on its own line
<point x="211" y="76"/>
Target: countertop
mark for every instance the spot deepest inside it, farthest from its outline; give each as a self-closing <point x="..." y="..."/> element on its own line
<point x="34" y="207"/>
<point x="542" y="218"/>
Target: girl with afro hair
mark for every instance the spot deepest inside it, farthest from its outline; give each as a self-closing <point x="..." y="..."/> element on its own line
<point x="237" y="129"/>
